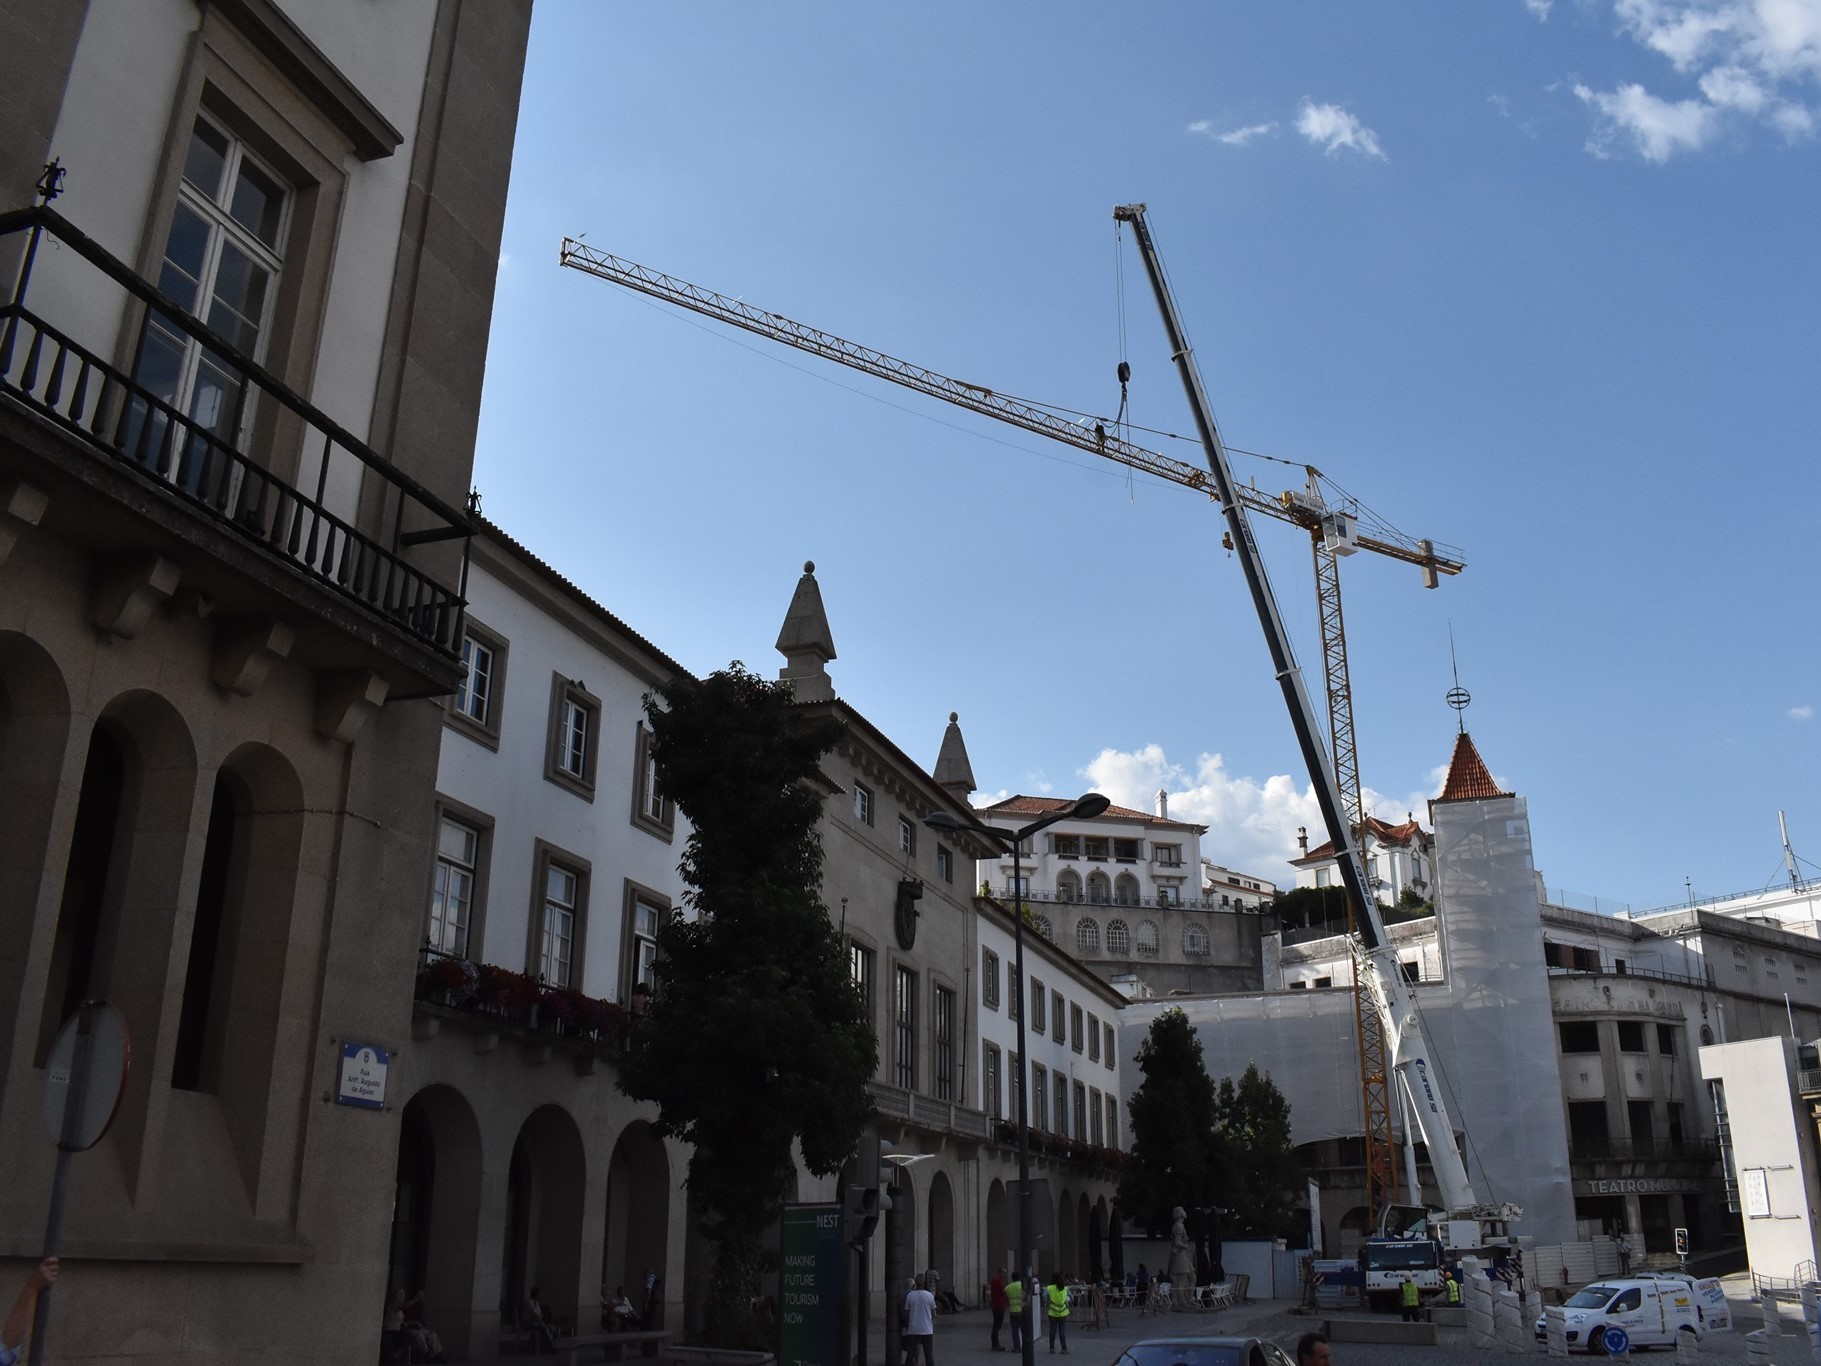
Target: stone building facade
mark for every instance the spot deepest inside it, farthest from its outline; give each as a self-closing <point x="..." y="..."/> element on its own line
<point x="240" y="371"/>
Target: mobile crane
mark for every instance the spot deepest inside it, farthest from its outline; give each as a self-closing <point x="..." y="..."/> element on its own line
<point x="1335" y="532"/>
<point x="1465" y="1222"/>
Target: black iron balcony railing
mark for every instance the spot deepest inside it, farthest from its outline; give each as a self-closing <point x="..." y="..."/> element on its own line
<point x="496" y="996"/>
<point x="1130" y="901"/>
<point x="1643" y="1149"/>
<point x="44" y="367"/>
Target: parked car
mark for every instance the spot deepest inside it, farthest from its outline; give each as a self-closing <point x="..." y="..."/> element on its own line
<point x="1204" y="1352"/>
<point x="1641" y="1311"/>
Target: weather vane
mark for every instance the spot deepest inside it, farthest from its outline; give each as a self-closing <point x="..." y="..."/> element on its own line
<point x="1458" y="697"/>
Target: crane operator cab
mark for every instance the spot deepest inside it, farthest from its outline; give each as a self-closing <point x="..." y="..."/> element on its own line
<point x="1609" y="1315"/>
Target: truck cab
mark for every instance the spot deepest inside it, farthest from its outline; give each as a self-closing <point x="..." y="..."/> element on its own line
<point x="1385" y="1262"/>
<point x="1642" y="1312"/>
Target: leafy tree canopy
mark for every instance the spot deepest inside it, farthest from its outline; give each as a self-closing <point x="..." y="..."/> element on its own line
<point x="1174" y="1157"/>
<point x="756" y="1038"/>
<point x="1264" y="1175"/>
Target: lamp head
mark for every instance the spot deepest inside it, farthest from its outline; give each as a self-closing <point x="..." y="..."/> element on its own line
<point x="1088" y="805"/>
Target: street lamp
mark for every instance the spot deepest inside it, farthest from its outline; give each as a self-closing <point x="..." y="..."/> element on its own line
<point x="1086" y="806"/>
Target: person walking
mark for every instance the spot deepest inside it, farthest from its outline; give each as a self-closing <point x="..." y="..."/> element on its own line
<point x="920" y="1323"/>
<point x="1624" y="1255"/>
<point x="1412" y="1298"/>
<point x="1312" y="1350"/>
<point x="996" y="1297"/>
<point x="1452" y="1287"/>
<point x="1014" y="1306"/>
<point x="1056" y="1305"/>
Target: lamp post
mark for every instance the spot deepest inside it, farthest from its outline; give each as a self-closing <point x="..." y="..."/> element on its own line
<point x="1086" y="806"/>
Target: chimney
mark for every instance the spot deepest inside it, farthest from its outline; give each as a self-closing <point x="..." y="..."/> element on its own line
<point x="1163" y="805"/>
<point x="1302" y="838"/>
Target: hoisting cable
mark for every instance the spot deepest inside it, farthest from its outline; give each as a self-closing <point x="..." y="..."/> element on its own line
<point x="1121" y="425"/>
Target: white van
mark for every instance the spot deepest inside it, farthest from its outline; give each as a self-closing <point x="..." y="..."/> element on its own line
<point x="1649" y="1313"/>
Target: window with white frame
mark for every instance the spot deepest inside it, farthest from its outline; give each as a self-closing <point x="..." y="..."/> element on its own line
<point x="221" y="264"/>
<point x="1039" y="1006"/>
<point x="1087" y="935"/>
<point x="989" y="979"/>
<point x="561" y="912"/>
<point x="1148" y="939"/>
<point x="1075" y="1029"/>
<point x="1059" y="1018"/>
<point x="1169" y="855"/>
<point x="1065" y="846"/>
<point x="1093" y="1037"/>
<point x="1119" y="938"/>
<point x="863" y="804"/>
<point x="475" y="706"/>
<point x="907" y="836"/>
<point x="575" y="719"/>
<point x="945" y="863"/>
<point x="452" y="900"/>
<point x="652" y="809"/>
<point x="1041" y="924"/>
<point x="1109" y="1046"/>
<point x="645" y="912"/>
<point x="860" y="964"/>
<point x="1195" y="943"/>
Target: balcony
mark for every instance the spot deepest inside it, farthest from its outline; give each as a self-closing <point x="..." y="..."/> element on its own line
<point x="1006" y="894"/>
<point x="1684" y="1150"/>
<point x="498" y="1003"/>
<point x="1077" y="1152"/>
<point x="925" y="1112"/>
<point x="375" y="556"/>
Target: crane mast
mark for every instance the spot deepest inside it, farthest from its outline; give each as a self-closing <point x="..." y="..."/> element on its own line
<point x="1406" y="1041"/>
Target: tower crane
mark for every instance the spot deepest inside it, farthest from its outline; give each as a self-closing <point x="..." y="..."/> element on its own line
<point x="1336" y="531"/>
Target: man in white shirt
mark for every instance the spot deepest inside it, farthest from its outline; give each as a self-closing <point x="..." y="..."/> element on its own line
<point x="920" y="1324"/>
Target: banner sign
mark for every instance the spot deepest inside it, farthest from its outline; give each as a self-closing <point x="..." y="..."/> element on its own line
<point x="809" y="1286"/>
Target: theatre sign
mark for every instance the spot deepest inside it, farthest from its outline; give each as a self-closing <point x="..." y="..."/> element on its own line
<point x="1639" y="1185"/>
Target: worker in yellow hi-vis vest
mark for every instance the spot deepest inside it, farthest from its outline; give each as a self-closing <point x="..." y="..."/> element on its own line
<point x="1452" y="1286"/>
<point x="1056" y="1305"/>
<point x="1413" y="1311"/>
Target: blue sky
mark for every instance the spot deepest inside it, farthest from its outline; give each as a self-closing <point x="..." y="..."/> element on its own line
<point x="1536" y="280"/>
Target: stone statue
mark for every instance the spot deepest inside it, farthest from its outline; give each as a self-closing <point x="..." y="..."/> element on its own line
<point x="1182" y="1256"/>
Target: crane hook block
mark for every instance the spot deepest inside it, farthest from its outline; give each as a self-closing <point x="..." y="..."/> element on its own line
<point x="1125" y="372"/>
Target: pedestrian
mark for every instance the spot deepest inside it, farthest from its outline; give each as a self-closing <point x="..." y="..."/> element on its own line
<point x="1056" y="1305"/>
<point x="1312" y="1350"/>
<point x="1412" y="1299"/>
<point x="920" y="1323"/>
<point x="1142" y="1288"/>
<point x="531" y="1315"/>
<point x="25" y="1306"/>
<point x="996" y="1296"/>
<point x="1624" y="1255"/>
<point x="1015" y="1301"/>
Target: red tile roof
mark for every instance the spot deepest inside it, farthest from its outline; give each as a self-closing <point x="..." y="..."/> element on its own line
<point x="1401" y="833"/>
<point x="1468" y="778"/>
<point x="1043" y="806"/>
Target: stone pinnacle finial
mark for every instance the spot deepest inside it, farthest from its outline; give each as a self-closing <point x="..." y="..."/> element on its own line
<point x="806" y="642"/>
<point x="954" y="773"/>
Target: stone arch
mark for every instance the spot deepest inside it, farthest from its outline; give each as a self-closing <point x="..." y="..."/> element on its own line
<point x="1098" y="1261"/>
<point x="1082" y="1256"/>
<point x="1148" y="939"/>
<point x="941" y="1224"/>
<point x="34" y="748"/>
<point x="545" y="1198"/>
<point x="1100" y="888"/>
<point x="436" y="1211"/>
<point x="1065" y="1249"/>
<point x="1195" y="941"/>
<point x="239" y="933"/>
<point x="635" y="1232"/>
<point x="1087" y="935"/>
<point x="1068" y="885"/>
<point x="1125" y="890"/>
<point x="999" y="1250"/>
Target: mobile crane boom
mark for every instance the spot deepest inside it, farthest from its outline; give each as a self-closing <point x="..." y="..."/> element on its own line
<point x="1407" y="1042"/>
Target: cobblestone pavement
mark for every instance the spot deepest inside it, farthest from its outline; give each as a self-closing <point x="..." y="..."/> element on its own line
<point x="965" y="1339"/>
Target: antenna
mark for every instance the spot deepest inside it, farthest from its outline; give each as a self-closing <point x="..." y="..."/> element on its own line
<point x="1789" y="855"/>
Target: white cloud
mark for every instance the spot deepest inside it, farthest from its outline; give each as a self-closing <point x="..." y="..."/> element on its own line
<point x="1251" y="824"/>
<point x="1330" y="127"/>
<point x="1801" y="713"/>
<point x="1540" y="8"/>
<point x="1656" y="127"/>
<point x="1748" y="58"/>
<point x="1239" y="137"/>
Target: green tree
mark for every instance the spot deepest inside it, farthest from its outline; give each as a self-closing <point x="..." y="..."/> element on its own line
<point x="756" y="1038"/>
<point x="1303" y="907"/>
<point x="1174" y="1158"/>
<point x="1264" y="1175"/>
